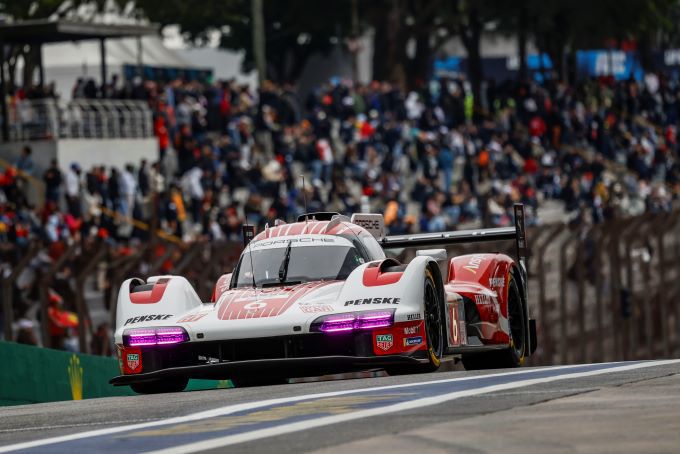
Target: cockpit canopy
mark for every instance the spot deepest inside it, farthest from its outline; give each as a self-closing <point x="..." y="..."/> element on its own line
<point x="311" y="258"/>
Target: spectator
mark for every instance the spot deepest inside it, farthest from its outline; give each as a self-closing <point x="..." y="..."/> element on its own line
<point x="53" y="180"/>
<point x="25" y="161"/>
<point x="73" y="186"/>
<point x="128" y="190"/>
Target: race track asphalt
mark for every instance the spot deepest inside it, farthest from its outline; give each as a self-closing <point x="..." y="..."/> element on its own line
<point x="615" y="407"/>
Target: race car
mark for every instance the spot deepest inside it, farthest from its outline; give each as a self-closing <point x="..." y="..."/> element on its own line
<point x="320" y="296"/>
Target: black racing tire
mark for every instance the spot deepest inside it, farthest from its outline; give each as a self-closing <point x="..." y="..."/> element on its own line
<point x="515" y="354"/>
<point x="160" y="386"/>
<point x="434" y="330"/>
<point x="258" y="381"/>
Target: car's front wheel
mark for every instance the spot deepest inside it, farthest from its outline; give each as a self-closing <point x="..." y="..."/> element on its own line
<point x="434" y="329"/>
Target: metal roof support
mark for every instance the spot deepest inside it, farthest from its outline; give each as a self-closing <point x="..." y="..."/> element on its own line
<point x="41" y="68"/>
<point x="102" y="53"/>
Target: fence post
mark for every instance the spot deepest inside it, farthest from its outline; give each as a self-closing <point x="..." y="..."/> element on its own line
<point x="564" y="333"/>
<point x="81" y="307"/>
<point x="601" y="243"/>
<point x="649" y="299"/>
<point x="661" y="298"/>
<point x="580" y="264"/>
<point x="541" y="272"/>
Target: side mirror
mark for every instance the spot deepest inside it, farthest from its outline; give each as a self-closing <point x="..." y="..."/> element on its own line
<point x="439" y="255"/>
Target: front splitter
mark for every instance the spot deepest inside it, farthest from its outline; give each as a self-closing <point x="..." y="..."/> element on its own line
<point x="283" y="367"/>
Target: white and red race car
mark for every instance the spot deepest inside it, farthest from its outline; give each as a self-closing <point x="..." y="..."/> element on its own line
<point x="319" y="296"/>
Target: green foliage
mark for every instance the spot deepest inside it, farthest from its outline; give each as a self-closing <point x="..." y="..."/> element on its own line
<point x="294" y="29"/>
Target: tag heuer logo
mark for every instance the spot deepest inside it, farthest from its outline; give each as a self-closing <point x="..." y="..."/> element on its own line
<point x="133" y="361"/>
<point x="384" y="341"/>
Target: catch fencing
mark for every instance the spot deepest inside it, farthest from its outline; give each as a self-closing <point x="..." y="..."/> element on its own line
<point x="605" y="292"/>
<point x="51" y="119"/>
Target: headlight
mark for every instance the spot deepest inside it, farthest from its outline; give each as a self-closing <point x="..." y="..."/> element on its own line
<point x="353" y="320"/>
<point x="139" y="337"/>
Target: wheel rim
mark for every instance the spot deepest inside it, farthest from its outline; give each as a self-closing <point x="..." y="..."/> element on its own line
<point x="516" y="322"/>
<point x="432" y="320"/>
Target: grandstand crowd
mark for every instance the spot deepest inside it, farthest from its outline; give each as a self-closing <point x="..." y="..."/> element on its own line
<point x="430" y="160"/>
<point x="427" y="159"/>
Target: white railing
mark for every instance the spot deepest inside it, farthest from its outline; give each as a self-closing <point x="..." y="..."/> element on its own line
<point x="42" y="119"/>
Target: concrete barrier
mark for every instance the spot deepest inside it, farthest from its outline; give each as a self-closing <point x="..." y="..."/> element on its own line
<point x="32" y="374"/>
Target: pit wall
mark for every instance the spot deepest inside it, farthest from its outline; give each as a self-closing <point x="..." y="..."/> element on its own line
<point x="33" y="374"/>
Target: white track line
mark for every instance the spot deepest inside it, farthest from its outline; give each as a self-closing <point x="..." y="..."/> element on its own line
<point x="379" y="411"/>
<point x="247" y="406"/>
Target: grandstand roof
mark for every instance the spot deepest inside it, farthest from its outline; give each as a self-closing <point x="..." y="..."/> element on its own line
<point x="47" y="31"/>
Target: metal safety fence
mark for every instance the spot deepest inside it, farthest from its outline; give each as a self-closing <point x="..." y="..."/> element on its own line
<point x="50" y="119"/>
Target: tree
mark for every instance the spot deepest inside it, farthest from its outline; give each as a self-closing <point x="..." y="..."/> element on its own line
<point x="407" y="35"/>
<point x="294" y="30"/>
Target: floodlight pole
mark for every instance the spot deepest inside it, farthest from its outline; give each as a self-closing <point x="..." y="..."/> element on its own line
<point x="259" y="40"/>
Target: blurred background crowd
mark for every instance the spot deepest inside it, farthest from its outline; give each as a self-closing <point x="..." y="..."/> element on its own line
<point x="602" y="149"/>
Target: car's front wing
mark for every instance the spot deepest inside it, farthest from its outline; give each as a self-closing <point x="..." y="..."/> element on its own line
<point x="284" y="367"/>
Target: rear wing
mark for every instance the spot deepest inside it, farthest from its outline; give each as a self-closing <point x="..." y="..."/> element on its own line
<point x="517" y="233"/>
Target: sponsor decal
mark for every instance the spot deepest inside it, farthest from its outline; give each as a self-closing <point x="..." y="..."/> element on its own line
<point x="133" y="361"/>
<point x="410" y="341"/>
<point x="372" y="301"/>
<point x="474" y="263"/>
<point x="412" y="329"/>
<point x="497" y="283"/>
<point x="255" y="306"/>
<point x="384" y="341"/>
<point x="453" y="323"/>
<point x="191" y="318"/>
<point x="483" y="299"/>
<point x="147" y="318"/>
<point x="75" y="377"/>
<point x="414" y="317"/>
<point x="248" y="303"/>
<point x="457" y="333"/>
<point x="316" y="308"/>
<point x="304" y="239"/>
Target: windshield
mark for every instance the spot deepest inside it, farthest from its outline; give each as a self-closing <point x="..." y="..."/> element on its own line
<point x="306" y="263"/>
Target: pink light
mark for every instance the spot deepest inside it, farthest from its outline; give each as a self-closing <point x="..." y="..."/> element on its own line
<point x="374" y="320"/>
<point x="141" y="336"/>
<point x="336" y="329"/>
<point x="375" y="315"/>
<point x="335" y="323"/>
<point x="170" y="335"/>
<point x="137" y="337"/>
<point x="352" y="321"/>
<point x="379" y="323"/>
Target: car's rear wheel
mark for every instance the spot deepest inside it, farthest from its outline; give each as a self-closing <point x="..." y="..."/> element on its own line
<point x="514" y="354"/>
<point x="160" y="386"/>
<point x="434" y="323"/>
